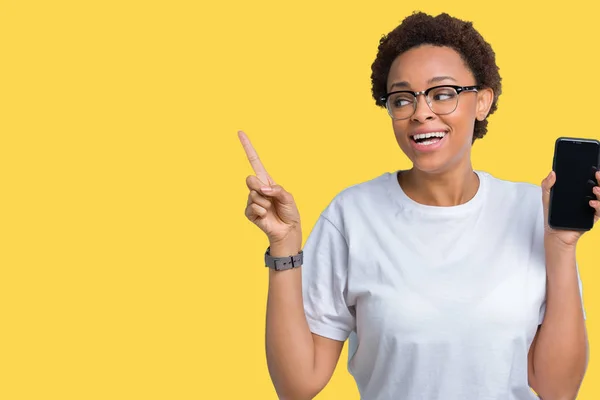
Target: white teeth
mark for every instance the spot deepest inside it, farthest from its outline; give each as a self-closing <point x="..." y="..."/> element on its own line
<point x="428" y="135"/>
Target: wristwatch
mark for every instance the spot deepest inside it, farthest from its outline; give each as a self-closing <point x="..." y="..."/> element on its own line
<point x="283" y="263"/>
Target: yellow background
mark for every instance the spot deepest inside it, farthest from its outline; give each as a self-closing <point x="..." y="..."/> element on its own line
<point x="127" y="267"/>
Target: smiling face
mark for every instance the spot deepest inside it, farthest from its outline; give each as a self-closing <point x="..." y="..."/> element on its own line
<point x="421" y="68"/>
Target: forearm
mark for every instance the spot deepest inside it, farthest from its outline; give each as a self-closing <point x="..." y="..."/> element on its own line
<point x="560" y="354"/>
<point x="289" y="342"/>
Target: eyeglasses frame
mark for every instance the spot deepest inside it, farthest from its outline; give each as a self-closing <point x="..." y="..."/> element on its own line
<point x="459" y="90"/>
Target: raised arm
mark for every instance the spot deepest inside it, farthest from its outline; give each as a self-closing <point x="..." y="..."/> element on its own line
<point x="300" y="363"/>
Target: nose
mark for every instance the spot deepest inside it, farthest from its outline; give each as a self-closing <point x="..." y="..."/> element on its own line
<point x="423" y="111"/>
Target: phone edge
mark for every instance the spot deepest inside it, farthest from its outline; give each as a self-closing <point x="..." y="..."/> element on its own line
<point x="556" y="142"/>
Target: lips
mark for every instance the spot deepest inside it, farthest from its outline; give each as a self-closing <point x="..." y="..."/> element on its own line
<point x="428" y="141"/>
<point x="428" y="137"/>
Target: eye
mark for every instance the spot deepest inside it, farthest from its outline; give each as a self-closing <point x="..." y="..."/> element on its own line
<point x="443" y="94"/>
<point x="400" y="100"/>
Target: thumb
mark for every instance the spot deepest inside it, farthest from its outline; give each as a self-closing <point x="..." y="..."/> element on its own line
<point x="547" y="184"/>
<point x="278" y="193"/>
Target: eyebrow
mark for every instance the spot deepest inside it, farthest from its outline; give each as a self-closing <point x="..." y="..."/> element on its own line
<point x="435" y="79"/>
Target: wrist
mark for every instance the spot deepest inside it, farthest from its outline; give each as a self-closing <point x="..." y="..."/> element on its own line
<point x="561" y="258"/>
<point x="289" y="246"/>
<point x="555" y="245"/>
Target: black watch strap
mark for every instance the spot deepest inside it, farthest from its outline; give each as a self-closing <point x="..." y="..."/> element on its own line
<point x="283" y="263"/>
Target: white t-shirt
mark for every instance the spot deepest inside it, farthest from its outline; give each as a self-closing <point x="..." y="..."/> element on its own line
<point x="438" y="303"/>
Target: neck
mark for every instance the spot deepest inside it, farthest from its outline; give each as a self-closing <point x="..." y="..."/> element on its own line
<point x="444" y="189"/>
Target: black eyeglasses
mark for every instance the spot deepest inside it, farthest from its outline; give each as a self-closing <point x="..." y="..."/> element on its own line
<point x="442" y="100"/>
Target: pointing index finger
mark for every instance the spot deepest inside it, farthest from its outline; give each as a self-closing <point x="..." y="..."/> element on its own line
<point x="255" y="162"/>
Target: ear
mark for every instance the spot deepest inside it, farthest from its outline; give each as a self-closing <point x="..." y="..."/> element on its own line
<point x="485" y="97"/>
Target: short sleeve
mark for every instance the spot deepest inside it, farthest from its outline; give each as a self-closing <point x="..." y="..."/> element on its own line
<point x="324" y="282"/>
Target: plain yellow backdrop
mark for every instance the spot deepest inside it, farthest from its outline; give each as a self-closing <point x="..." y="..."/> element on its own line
<point x="127" y="267"/>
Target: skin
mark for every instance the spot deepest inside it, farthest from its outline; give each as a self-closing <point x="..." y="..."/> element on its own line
<point x="301" y="363"/>
<point x="444" y="177"/>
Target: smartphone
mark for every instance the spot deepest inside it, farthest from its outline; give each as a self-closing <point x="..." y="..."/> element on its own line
<point x="575" y="162"/>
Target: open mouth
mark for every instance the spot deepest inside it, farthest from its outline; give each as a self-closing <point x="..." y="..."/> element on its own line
<point x="429" y="138"/>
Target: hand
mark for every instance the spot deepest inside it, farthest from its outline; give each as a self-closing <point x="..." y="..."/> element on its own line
<point x="270" y="206"/>
<point x="565" y="237"/>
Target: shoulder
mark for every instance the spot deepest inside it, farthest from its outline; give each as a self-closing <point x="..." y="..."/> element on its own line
<point x="518" y="199"/>
<point x="513" y="190"/>
<point x="363" y="196"/>
<point x="370" y="190"/>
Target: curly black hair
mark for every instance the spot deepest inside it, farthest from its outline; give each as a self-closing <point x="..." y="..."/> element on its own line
<point x="441" y="30"/>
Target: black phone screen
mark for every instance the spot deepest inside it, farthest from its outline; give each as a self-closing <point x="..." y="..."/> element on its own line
<point x="574" y="162"/>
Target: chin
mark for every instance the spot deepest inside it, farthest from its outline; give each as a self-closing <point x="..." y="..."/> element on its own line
<point x="437" y="161"/>
<point x="431" y="166"/>
<point x="430" y="163"/>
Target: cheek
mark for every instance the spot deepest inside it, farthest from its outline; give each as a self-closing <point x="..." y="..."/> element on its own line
<point x="462" y="122"/>
<point x="468" y="112"/>
<point x="400" y="133"/>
